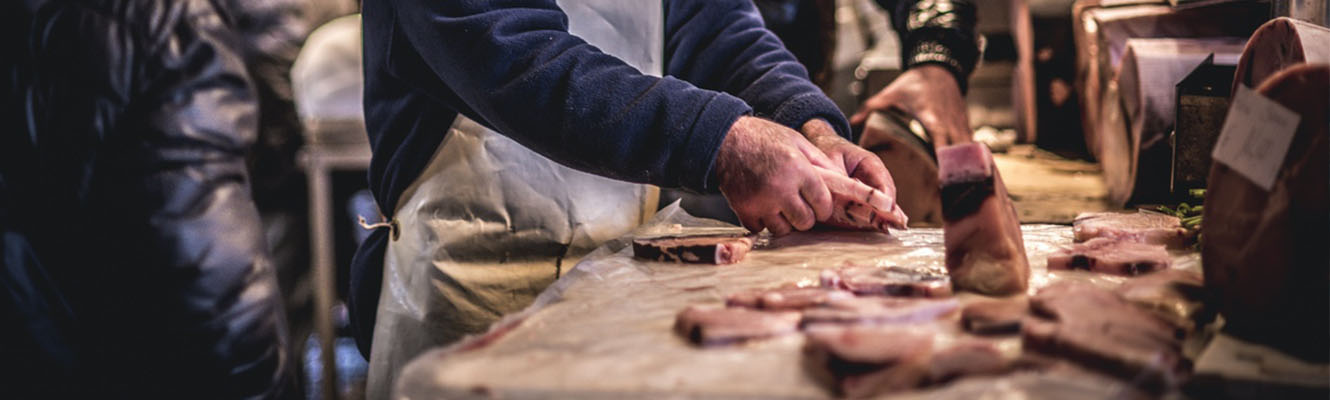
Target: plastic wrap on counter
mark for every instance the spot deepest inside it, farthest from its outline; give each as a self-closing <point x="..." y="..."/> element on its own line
<point x="604" y="330"/>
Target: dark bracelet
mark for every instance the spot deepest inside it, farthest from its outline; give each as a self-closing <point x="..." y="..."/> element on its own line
<point x="932" y="52"/>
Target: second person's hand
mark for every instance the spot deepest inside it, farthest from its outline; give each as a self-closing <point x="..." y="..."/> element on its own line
<point x="930" y="94"/>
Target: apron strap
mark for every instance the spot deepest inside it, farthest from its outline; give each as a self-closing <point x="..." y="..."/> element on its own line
<point x="390" y="224"/>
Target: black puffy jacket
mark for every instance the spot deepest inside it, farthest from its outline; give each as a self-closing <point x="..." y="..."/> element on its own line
<point x="132" y="260"/>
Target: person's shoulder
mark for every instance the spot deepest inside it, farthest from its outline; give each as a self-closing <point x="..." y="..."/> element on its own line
<point x="117" y="29"/>
<point x="710" y="5"/>
<point x="153" y="23"/>
<point x="139" y="13"/>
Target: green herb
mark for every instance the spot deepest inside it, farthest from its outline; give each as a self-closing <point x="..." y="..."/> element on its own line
<point x="1189" y="214"/>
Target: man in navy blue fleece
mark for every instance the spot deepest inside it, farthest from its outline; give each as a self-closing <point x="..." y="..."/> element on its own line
<point x="734" y="112"/>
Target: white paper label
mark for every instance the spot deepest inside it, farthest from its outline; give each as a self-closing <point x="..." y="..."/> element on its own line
<point x="1256" y="136"/>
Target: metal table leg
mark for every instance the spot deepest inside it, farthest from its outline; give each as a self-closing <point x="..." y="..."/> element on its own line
<point x="321" y="247"/>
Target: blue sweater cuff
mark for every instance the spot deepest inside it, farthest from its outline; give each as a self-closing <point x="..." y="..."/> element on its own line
<point x="709" y="130"/>
<point x="799" y="109"/>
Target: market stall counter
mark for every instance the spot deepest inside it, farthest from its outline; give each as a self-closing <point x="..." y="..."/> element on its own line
<point x="606" y="329"/>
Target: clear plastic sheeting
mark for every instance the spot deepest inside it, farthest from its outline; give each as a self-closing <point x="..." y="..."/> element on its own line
<point x="605" y="329"/>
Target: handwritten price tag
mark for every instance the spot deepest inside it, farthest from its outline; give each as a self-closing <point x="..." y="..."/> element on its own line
<point x="1255" y="137"/>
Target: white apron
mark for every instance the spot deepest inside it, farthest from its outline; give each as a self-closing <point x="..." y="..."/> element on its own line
<point x="489" y="223"/>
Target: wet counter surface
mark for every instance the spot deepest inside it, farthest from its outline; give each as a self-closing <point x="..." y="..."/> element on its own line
<point x="604" y="330"/>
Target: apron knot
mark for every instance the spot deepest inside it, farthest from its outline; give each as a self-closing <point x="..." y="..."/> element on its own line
<point x="390" y="224"/>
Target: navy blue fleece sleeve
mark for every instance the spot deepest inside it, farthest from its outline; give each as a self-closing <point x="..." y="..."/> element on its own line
<point x="722" y="45"/>
<point x="517" y="69"/>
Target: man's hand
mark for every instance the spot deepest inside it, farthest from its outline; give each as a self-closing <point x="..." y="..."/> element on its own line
<point x="849" y="158"/>
<point x="861" y="165"/>
<point x="931" y="95"/>
<point x="769" y="175"/>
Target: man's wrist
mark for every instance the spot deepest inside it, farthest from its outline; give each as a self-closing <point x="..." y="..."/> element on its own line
<point x="817" y="127"/>
<point x="939" y="73"/>
<point x="698" y="166"/>
<point x="935" y="53"/>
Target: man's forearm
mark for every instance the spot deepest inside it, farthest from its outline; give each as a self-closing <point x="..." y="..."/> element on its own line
<point x="515" y="67"/>
<point x="940" y="32"/>
<point x="723" y="45"/>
